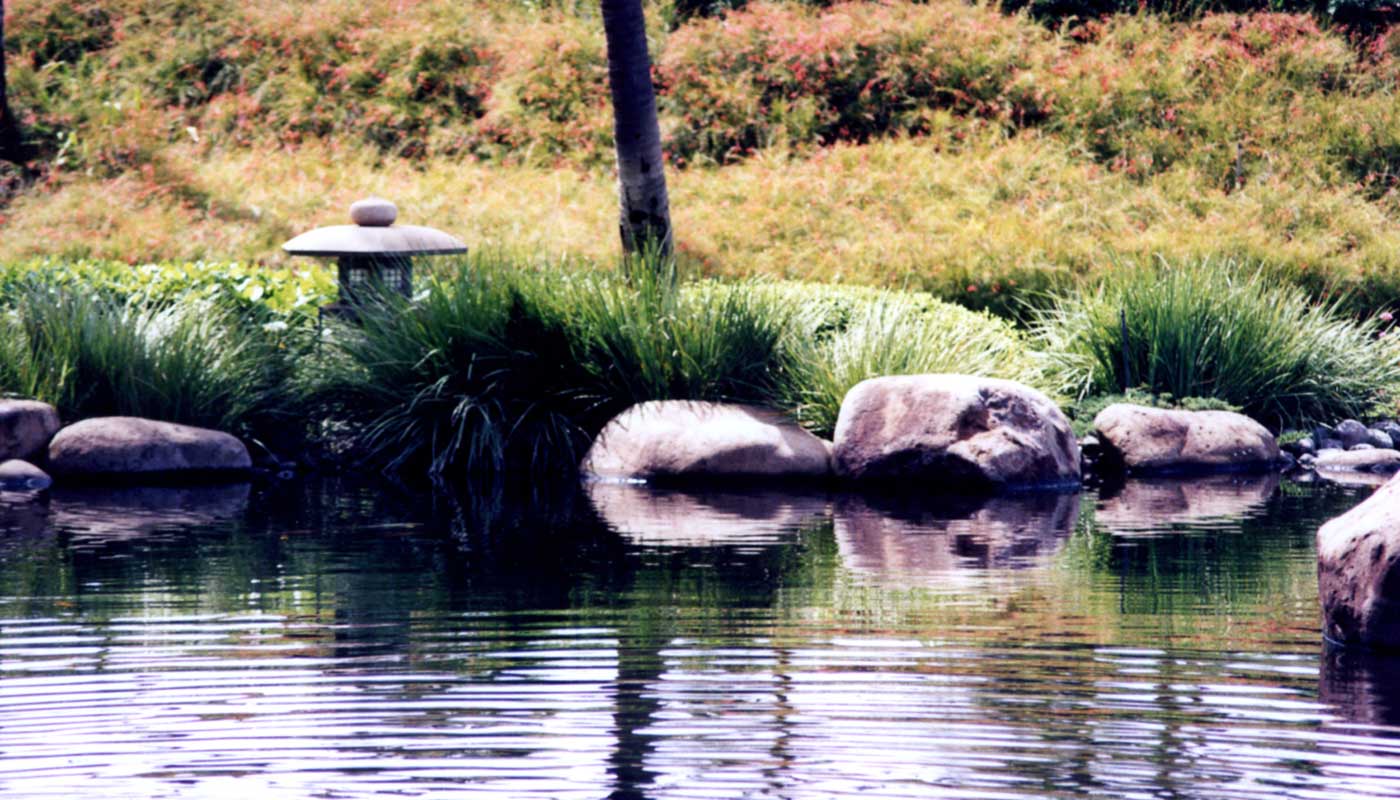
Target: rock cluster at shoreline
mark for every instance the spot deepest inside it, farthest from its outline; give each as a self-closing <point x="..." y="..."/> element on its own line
<point x="938" y="433"/>
<point x="35" y="449"/>
<point x="1349" y="449"/>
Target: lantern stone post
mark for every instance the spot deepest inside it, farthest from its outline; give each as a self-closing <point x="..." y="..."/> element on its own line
<point x="373" y="254"/>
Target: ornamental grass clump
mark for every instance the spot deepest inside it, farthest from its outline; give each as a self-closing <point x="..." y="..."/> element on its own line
<point x="499" y="367"/>
<point x="188" y="360"/>
<point x="472" y="373"/>
<point x="847" y="335"/>
<point x="1217" y="329"/>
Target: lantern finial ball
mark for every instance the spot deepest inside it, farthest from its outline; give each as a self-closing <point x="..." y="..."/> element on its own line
<point x="373" y="212"/>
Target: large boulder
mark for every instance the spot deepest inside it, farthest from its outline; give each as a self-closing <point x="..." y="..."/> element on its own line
<point x="130" y="446"/>
<point x="686" y="440"/>
<point x="1159" y="440"/>
<point x="954" y="432"/>
<point x="26" y="426"/>
<point x="1358" y="572"/>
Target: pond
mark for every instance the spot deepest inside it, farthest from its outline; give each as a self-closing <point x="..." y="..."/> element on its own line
<point x="320" y="639"/>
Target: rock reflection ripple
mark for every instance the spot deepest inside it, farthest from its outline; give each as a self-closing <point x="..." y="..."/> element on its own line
<point x="655" y="517"/>
<point x="900" y="537"/>
<point x="1152" y="505"/>
<point x="109" y="513"/>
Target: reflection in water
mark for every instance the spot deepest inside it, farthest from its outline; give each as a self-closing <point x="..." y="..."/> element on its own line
<point x="663" y="517"/>
<point x="1364" y="687"/>
<point x="1150" y="505"/>
<point x="901" y="537"/>
<point x="22" y="515"/>
<point x="342" y="643"/>
<point x="134" y="511"/>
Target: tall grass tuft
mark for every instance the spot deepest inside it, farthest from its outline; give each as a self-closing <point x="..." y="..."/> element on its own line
<point x="500" y="367"/>
<point x="1217" y="329"/>
<point x="470" y="374"/>
<point x="846" y="336"/>
<point x="187" y="361"/>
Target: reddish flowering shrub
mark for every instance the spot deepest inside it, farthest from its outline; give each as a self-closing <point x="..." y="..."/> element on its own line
<point x="775" y="73"/>
<point x="551" y="100"/>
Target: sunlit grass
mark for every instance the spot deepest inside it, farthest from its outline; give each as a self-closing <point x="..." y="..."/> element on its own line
<point x="988" y="222"/>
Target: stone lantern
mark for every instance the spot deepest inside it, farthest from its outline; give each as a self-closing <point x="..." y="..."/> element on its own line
<point x="374" y="254"/>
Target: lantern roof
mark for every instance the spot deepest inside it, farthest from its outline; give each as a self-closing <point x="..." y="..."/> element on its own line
<point x="374" y="234"/>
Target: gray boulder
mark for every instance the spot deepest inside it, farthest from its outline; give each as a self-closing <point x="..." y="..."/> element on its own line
<point x="1391" y="429"/>
<point x="954" y="431"/>
<point x="679" y="439"/>
<point x="1158" y="440"/>
<point x="1379" y="439"/>
<point x="22" y="476"/>
<point x="1351" y="433"/>
<point x="1358" y="572"/>
<point x="115" y="446"/>
<point x="26" y="426"/>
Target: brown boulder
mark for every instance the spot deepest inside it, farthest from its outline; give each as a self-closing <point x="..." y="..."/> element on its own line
<point x="115" y="446"/>
<point x="26" y="426"/>
<point x="1358" y="579"/>
<point x="1144" y="439"/>
<point x="956" y="432"/>
<point x="680" y="439"/>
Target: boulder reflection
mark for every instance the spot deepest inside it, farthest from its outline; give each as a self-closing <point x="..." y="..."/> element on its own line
<point x="900" y="536"/>
<point x="1145" y="506"/>
<point x="648" y="516"/>
<point x="131" y="511"/>
<point x="1362" y="687"/>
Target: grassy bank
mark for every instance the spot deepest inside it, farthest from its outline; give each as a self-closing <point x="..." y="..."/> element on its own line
<point x="974" y="153"/>
<point x="499" y="364"/>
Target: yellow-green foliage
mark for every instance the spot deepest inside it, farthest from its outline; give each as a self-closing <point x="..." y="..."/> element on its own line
<point x="939" y="145"/>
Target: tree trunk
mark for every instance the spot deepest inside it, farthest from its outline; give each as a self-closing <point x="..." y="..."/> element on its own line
<point x="11" y="147"/>
<point x="645" y="210"/>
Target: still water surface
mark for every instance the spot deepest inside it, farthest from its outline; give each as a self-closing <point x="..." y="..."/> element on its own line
<point x="322" y="641"/>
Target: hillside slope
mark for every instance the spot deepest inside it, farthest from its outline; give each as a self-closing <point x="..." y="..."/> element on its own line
<point x="954" y="147"/>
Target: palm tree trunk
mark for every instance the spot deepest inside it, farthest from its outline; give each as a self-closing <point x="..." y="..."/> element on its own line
<point x="11" y="147"/>
<point x="645" y="210"/>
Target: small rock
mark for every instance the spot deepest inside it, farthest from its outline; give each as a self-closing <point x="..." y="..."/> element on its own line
<point x="115" y="446"/>
<point x="1157" y="440"/>
<point x="1368" y="460"/>
<point x="1358" y="555"/>
<point x="1360" y="447"/>
<point x="1306" y="460"/>
<point x="1322" y="433"/>
<point x="1379" y="438"/>
<point x="1390" y="428"/>
<point x="950" y="432"/>
<point x="1330" y="444"/>
<point x="26" y="426"/>
<point x="373" y="212"/>
<point x="1305" y="445"/>
<point x="22" y="476"/>
<point x="680" y="439"/>
<point x="1351" y="432"/>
